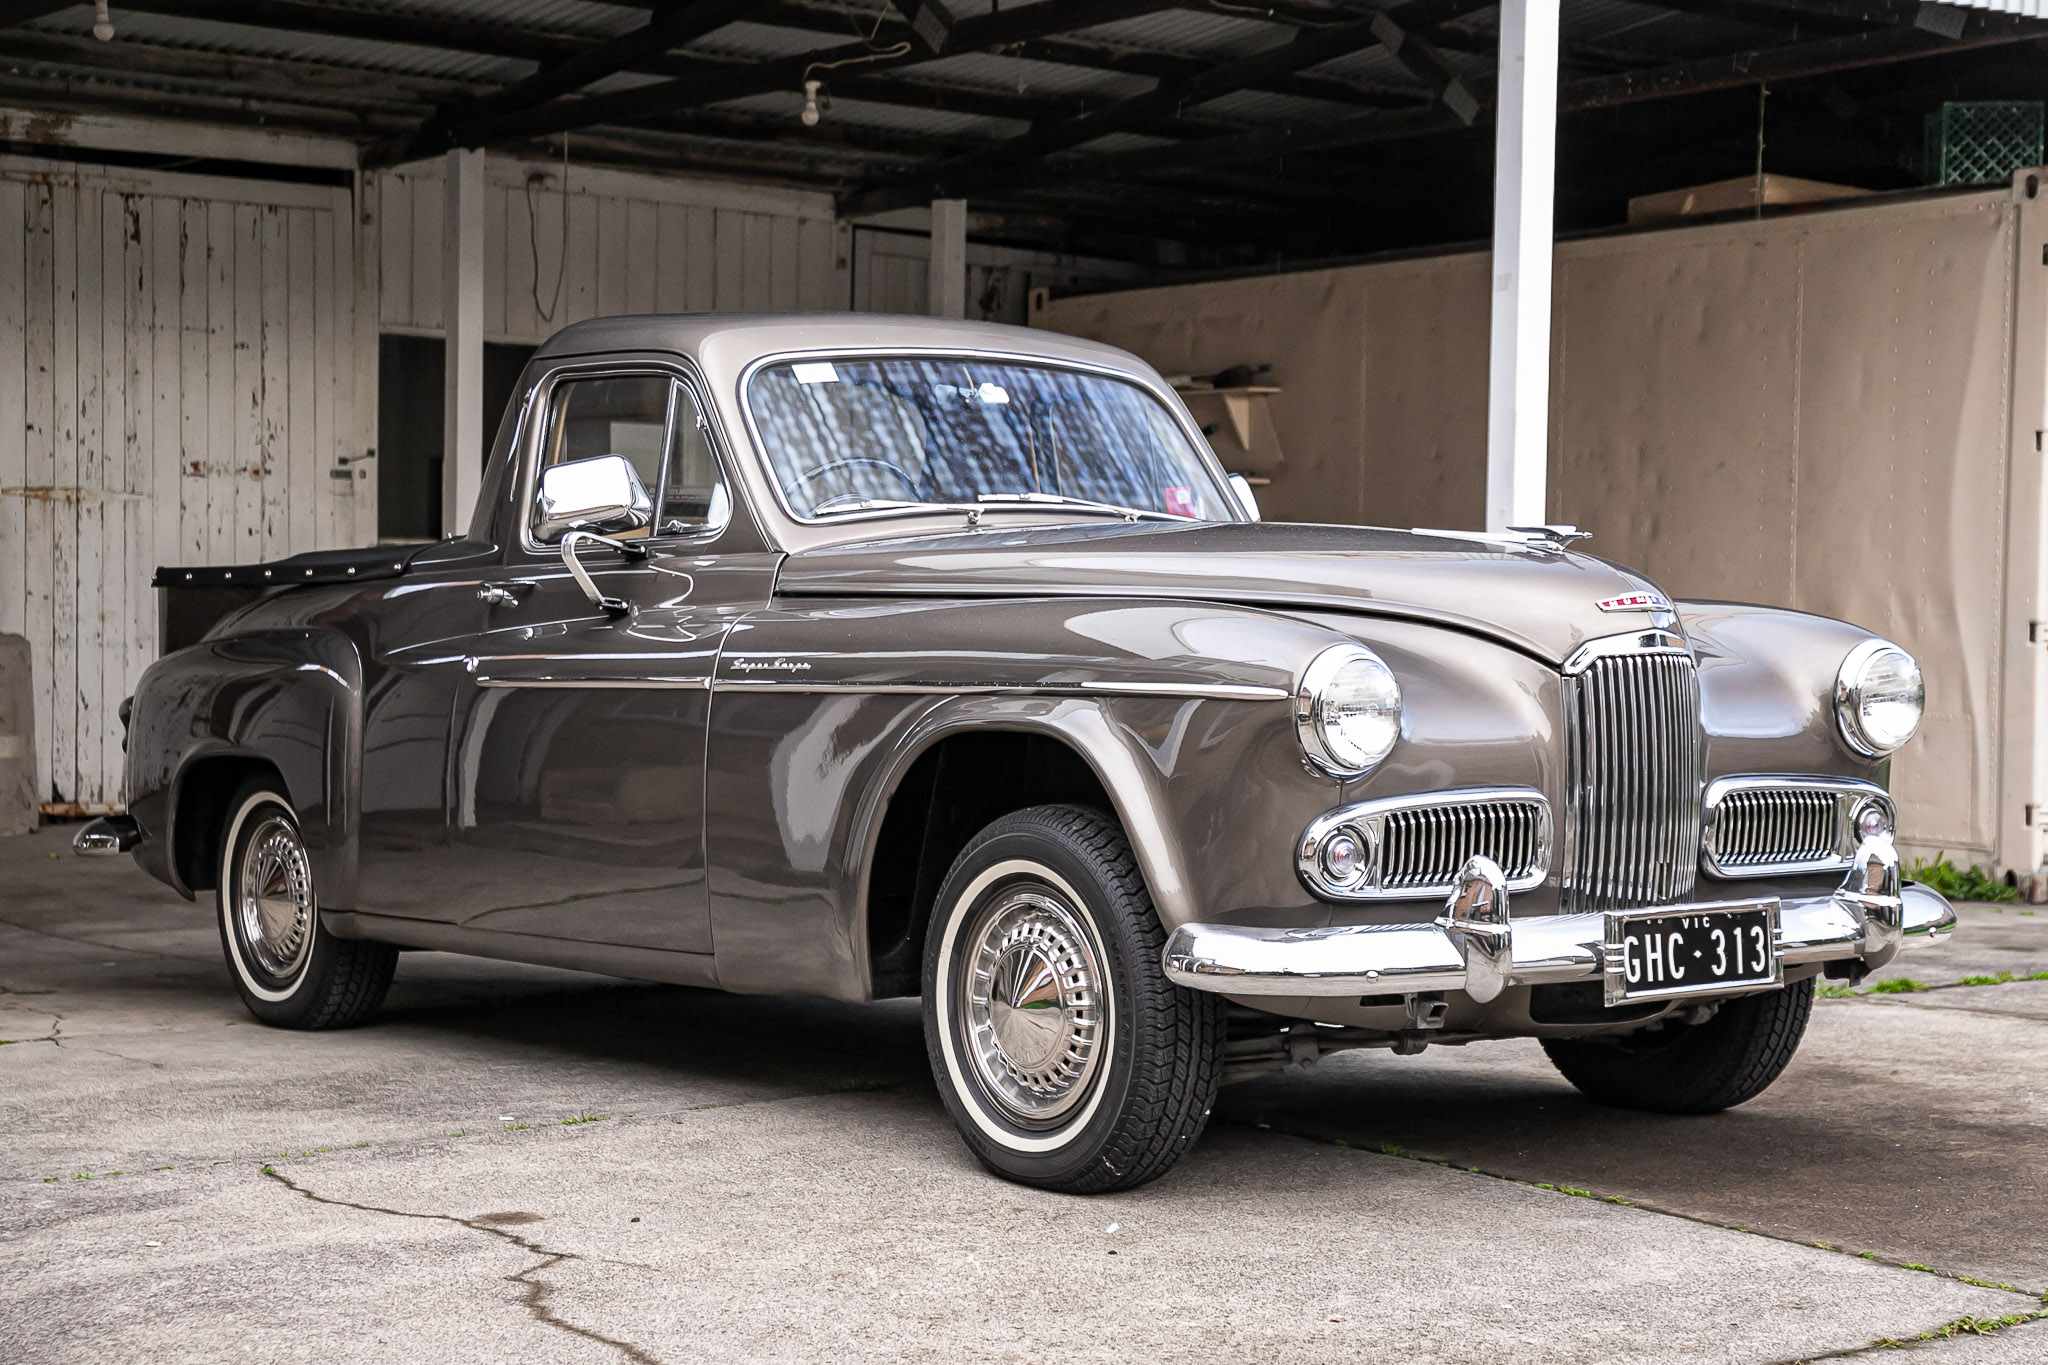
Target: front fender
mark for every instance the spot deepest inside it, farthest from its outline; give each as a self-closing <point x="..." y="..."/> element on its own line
<point x="1178" y="708"/>
<point x="1767" y="682"/>
<point x="287" y="698"/>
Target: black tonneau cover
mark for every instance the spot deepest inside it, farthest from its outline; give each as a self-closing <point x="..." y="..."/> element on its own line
<point x="315" y="566"/>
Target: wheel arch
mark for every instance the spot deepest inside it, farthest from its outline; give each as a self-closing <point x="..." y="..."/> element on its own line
<point x="939" y="792"/>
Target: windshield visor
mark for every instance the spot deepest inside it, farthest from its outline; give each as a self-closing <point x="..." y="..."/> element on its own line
<point x="845" y="435"/>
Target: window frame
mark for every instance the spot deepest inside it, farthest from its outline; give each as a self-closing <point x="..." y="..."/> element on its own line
<point x="539" y="408"/>
<point x="1175" y="410"/>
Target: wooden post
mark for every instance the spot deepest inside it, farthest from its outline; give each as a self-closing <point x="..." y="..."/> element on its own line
<point x="946" y="277"/>
<point x="1524" y="181"/>
<point x="462" y="314"/>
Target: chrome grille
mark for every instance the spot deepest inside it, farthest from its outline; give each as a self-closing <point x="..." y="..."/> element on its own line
<point x="1777" y="825"/>
<point x="1422" y="849"/>
<point x="1635" y="747"/>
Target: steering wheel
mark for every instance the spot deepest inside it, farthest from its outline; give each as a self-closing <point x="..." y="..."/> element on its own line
<point x="897" y="470"/>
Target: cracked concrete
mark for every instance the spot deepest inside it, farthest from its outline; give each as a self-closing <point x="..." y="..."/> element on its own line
<point x="775" y="1180"/>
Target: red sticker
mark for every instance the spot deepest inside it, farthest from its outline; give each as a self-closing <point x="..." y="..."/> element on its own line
<point x="1180" y="499"/>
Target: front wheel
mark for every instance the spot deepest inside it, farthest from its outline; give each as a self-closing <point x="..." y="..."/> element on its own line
<point x="1064" y="1055"/>
<point x="1692" y="1069"/>
<point x="289" y="970"/>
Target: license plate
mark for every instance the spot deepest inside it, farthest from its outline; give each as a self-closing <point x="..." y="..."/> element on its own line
<point x="1692" y="950"/>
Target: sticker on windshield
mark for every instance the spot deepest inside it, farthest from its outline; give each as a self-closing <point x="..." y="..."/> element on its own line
<point x="993" y="393"/>
<point x="1180" y="499"/>
<point x="815" y="372"/>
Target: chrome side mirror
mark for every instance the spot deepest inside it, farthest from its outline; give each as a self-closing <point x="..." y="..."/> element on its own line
<point x="602" y="494"/>
<point x="1242" y="486"/>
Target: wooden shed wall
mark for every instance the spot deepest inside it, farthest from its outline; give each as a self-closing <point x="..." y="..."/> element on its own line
<point x="179" y="391"/>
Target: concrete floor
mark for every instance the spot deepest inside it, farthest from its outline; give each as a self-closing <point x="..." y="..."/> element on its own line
<point x="768" y="1179"/>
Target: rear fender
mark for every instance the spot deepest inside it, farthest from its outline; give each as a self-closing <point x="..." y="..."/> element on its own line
<point x="288" y="699"/>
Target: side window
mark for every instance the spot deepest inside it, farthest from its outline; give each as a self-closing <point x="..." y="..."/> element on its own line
<point x="693" y="494"/>
<point x="652" y="421"/>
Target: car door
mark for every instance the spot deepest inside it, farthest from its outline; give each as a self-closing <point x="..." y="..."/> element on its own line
<point x="577" y="753"/>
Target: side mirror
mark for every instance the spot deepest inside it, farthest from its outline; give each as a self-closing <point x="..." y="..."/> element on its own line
<point x="602" y="494"/>
<point x="1242" y="486"/>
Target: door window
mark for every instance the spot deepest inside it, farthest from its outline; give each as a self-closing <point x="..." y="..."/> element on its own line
<point x="653" y="421"/>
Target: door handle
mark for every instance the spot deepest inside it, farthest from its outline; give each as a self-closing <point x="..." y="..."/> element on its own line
<point x="502" y="594"/>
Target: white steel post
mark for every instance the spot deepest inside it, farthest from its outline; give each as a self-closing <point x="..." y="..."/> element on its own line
<point x="946" y="278"/>
<point x="1524" y="176"/>
<point x="462" y="318"/>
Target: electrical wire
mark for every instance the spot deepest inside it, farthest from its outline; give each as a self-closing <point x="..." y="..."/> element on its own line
<point x="547" y="314"/>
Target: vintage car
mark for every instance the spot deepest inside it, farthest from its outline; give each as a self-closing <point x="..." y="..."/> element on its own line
<point x="863" y="657"/>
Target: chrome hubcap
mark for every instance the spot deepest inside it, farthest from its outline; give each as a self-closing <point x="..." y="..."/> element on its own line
<point x="274" y="899"/>
<point x="1032" y="1004"/>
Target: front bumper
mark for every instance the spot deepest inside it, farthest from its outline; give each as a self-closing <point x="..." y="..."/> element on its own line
<point x="1869" y="918"/>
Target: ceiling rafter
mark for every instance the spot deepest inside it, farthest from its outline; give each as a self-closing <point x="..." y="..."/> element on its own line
<point x="1790" y="60"/>
<point x="1308" y="48"/>
<point x="995" y="29"/>
<point x="673" y="25"/>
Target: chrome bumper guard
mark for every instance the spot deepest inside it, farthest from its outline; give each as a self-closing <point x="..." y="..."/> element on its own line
<point x="1478" y="949"/>
<point x="107" y="837"/>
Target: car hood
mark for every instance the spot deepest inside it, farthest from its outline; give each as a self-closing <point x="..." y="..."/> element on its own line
<point x="1534" y="597"/>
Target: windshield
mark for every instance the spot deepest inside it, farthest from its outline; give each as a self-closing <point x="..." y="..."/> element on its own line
<point x="857" y="434"/>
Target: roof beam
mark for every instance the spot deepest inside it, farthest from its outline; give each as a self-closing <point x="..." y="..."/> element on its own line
<point x="1309" y="47"/>
<point x="996" y="29"/>
<point x="673" y="24"/>
<point x="1790" y="61"/>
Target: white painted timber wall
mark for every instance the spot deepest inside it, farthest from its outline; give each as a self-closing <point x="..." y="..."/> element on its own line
<point x="889" y="275"/>
<point x="634" y="244"/>
<point x="176" y="383"/>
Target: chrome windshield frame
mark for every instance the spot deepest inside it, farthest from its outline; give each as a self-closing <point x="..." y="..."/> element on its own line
<point x="1169" y="401"/>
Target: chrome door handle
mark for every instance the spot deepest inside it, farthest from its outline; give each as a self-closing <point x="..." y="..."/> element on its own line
<point x="502" y="594"/>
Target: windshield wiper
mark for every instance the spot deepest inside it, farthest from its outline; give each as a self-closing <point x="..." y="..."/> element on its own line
<point x="968" y="510"/>
<point x="1080" y="505"/>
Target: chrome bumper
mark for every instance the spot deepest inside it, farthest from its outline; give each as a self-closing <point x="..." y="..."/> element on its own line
<point x="1481" y="951"/>
<point x="107" y="837"/>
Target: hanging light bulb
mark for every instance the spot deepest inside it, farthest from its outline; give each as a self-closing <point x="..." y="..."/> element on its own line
<point x="102" y="23"/>
<point x="810" y="115"/>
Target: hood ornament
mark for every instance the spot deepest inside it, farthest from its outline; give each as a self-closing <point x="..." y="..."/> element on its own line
<point x="1557" y="536"/>
<point x="1635" y="601"/>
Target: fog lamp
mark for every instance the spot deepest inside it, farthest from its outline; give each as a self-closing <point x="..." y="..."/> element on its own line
<point x="1872" y="821"/>
<point x="1343" y="858"/>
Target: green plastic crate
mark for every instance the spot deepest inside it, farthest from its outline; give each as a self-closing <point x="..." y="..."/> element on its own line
<point x="1983" y="142"/>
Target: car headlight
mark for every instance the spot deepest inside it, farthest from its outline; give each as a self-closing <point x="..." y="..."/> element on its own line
<point x="1879" y="698"/>
<point x="1347" y="710"/>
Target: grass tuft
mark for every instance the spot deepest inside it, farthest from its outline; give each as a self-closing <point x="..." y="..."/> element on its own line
<point x="1966" y="884"/>
<point x="584" y="1118"/>
<point x="1903" y="985"/>
<point x="1830" y="990"/>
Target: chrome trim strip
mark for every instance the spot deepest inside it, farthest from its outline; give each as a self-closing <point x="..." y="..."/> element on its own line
<point x="1849" y="793"/>
<point x="1653" y="641"/>
<point x="1367" y="820"/>
<point x="644" y="684"/>
<point x="1192" y="691"/>
<point x="1198" y="691"/>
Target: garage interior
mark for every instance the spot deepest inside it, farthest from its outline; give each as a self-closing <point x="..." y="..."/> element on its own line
<point x="277" y="257"/>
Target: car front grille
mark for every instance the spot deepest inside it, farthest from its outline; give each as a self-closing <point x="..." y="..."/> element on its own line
<point x="1775" y="825"/>
<point x="1422" y="849"/>
<point x="1636" y="757"/>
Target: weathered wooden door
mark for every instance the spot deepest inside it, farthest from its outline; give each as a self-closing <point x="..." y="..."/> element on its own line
<point x="177" y="386"/>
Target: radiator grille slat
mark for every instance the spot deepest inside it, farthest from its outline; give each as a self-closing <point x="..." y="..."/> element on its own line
<point x="1423" y="848"/>
<point x="1769" y="825"/>
<point x="1636" y="789"/>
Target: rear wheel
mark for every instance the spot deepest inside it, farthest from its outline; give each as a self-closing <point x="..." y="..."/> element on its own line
<point x="290" y="971"/>
<point x="1065" y="1056"/>
<point x="1692" y="1069"/>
